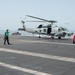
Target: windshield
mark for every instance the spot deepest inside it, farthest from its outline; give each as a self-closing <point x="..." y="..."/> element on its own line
<point x="62" y="29"/>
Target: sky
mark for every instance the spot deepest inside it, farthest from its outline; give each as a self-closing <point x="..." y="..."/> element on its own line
<point x="13" y="11"/>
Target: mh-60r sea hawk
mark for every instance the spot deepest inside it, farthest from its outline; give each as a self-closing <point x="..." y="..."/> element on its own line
<point x="50" y="29"/>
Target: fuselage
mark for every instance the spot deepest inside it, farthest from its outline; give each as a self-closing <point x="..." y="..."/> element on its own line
<point x="54" y="31"/>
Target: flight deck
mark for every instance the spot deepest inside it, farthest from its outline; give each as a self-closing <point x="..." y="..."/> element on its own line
<point x="37" y="56"/>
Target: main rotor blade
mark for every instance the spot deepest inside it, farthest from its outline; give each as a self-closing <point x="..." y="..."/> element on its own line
<point x="35" y="21"/>
<point x="37" y="18"/>
<point x="52" y="21"/>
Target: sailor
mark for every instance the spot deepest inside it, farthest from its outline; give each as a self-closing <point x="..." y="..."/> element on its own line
<point x="6" y="37"/>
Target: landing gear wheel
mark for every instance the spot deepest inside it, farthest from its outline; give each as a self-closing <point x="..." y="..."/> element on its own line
<point x="59" y="37"/>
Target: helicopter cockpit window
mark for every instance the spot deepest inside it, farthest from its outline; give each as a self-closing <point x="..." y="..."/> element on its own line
<point x="59" y="29"/>
<point x="62" y="29"/>
<point x="40" y="26"/>
<point x="44" y="30"/>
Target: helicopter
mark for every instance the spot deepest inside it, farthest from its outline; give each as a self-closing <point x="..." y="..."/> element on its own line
<point x="51" y="29"/>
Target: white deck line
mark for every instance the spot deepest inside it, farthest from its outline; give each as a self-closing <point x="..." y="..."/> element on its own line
<point x="39" y="55"/>
<point x="22" y="69"/>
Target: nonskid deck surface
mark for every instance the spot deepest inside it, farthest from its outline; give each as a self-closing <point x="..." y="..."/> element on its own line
<point x="37" y="56"/>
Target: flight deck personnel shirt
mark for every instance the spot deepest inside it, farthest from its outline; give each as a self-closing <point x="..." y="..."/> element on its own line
<point x="6" y="34"/>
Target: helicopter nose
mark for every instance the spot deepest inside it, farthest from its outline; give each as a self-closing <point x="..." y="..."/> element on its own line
<point x="70" y="34"/>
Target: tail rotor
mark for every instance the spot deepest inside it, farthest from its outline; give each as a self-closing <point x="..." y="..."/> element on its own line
<point x="23" y="23"/>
